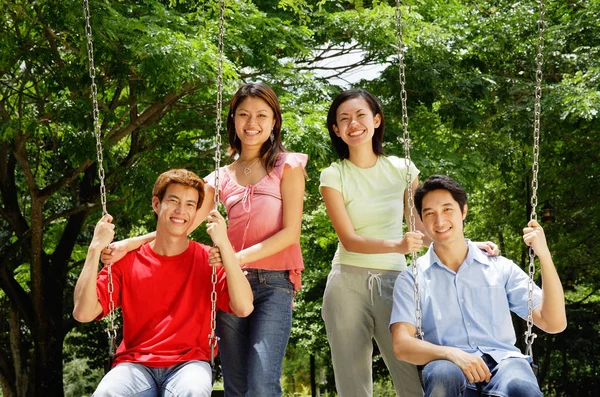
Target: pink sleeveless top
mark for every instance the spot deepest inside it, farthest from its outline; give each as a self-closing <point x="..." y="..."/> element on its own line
<point x="255" y="213"/>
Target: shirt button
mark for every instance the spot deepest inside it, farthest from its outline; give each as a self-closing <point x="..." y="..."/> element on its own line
<point x="245" y="272"/>
<point x="468" y="323"/>
<point x="462" y="301"/>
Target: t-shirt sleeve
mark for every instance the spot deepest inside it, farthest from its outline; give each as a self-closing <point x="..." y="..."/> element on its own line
<point x="331" y="177"/>
<point x="292" y="160"/>
<point x="102" y="286"/>
<point x="403" y="309"/>
<point x="400" y="164"/>
<point x="414" y="171"/>
<point x="517" y="286"/>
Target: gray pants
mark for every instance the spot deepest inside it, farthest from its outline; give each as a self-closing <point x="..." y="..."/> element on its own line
<point x="357" y="306"/>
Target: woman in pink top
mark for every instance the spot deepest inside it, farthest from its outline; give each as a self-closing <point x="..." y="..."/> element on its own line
<point x="263" y="192"/>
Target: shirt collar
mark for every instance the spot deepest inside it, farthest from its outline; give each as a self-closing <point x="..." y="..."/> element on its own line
<point x="474" y="254"/>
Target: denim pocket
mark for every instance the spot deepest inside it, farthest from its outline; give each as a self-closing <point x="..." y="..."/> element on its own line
<point x="279" y="280"/>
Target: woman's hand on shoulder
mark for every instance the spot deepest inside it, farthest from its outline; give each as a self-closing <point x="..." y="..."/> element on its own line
<point x="490" y="248"/>
<point x="114" y="252"/>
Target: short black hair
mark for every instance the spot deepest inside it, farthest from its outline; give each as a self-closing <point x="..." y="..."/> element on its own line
<point x="440" y="182"/>
<point x="340" y="146"/>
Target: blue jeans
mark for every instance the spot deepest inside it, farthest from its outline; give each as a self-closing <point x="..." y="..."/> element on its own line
<point x="190" y="379"/>
<point x="252" y="348"/>
<point x="512" y="377"/>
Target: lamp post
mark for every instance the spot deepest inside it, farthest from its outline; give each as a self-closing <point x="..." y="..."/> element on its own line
<point x="547" y="213"/>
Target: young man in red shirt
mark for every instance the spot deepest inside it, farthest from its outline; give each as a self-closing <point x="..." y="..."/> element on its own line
<point x="164" y="289"/>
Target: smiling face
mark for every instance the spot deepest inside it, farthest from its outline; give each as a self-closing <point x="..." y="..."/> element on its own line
<point x="254" y="120"/>
<point x="442" y="217"/>
<point x="176" y="210"/>
<point x="355" y="122"/>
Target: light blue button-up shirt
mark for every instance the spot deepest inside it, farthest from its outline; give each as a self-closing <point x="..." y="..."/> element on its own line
<point x="468" y="309"/>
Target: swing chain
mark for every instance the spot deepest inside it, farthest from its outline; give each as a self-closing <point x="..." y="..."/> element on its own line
<point x="406" y="142"/>
<point x="529" y="335"/>
<point x="213" y="339"/>
<point x="111" y="330"/>
<point x="96" y="112"/>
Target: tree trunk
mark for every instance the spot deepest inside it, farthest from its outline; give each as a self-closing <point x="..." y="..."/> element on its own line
<point x="313" y="376"/>
<point x="6" y="388"/>
<point x="47" y="330"/>
<point x="48" y="365"/>
<point x="19" y="362"/>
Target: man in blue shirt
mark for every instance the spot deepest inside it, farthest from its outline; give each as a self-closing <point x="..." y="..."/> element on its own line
<point x="466" y="298"/>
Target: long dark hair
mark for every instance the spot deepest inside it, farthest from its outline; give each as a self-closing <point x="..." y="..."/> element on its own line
<point x="268" y="152"/>
<point x="340" y="146"/>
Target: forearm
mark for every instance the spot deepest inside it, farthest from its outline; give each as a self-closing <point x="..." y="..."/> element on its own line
<point x="552" y="309"/>
<point x="420" y="227"/>
<point x="274" y="244"/>
<point x="367" y="245"/>
<point x="86" y="304"/>
<point x="134" y="243"/>
<point x="207" y="206"/>
<point x="240" y="294"/>
<point x="420" y="352"/>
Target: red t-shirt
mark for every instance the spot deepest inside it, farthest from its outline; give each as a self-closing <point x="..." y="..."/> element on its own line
<point x="166" y="305"/>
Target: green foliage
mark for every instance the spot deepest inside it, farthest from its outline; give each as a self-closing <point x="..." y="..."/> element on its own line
<point x="469" y="77"/>
<point x="79" y="379"/>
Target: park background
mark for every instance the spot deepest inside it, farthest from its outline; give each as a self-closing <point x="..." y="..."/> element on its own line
<point x="470" y="78"/>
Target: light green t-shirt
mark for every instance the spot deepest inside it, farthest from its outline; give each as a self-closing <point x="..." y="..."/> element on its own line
<point x="374" y="200"/>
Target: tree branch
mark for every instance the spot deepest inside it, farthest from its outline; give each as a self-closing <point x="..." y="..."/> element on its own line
<point x="20" y="153"/>
<point x="49" y="190"/>
<point x="15" y="293"/>
<point x="8" y="190"/>
<point x="150" y="114"/>
<point x="87" y="207"/>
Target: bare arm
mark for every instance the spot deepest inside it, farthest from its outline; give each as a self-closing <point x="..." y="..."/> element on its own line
<point x="415" y="351"/>
<point x="292" y="195"/>
<point x="208" y="205"/>
<point x="87" y="306"/>
<point x="550" y="316"/>
<point x="240" y="294"/>
<point x="354" y="242"/>
<point x="418" y="223"/>
<point x="119" y="249"/>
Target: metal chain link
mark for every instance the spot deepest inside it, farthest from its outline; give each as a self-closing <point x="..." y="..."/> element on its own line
<point x="111" y="329"/>
<point x="213" y="339"/>
<point x="529" y="335"/>
<point x="406" y="141"/>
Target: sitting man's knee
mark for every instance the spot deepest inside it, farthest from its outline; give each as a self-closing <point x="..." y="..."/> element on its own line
<point x="523" y="388"/>
<point x="443" y="379"/>
<point x="199" y="390"/>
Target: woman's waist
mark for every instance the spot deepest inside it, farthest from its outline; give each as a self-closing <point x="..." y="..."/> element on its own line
<point x="389" y="261"/>
<point x="290" y="258"/>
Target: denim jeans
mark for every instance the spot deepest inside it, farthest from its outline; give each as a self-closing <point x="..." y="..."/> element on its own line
<point x="512" y="377"/>
<point x="190" y="379"/>
<point x="252" y="348"/>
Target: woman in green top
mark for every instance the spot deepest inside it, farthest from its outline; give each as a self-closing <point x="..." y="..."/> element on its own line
<point x="366" y="197"/>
